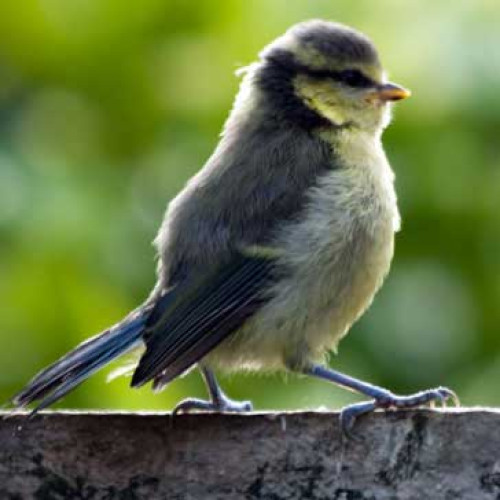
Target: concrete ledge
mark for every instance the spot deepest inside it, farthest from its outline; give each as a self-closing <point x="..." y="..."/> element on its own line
<point x="402" y="455"/>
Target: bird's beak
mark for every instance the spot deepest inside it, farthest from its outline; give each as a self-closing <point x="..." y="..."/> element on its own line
<point x="388" y="92"/>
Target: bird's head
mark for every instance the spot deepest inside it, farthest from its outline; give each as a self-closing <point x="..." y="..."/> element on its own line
<point x="325" y="74"/>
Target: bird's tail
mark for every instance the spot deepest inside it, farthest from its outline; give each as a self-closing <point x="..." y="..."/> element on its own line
<point x="65" y="374"/>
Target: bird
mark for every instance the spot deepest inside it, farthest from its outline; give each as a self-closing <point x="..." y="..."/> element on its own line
<point x="278" y="244"/>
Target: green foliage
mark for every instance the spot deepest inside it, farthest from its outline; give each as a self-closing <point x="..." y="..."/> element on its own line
<point x="107" y="108"/>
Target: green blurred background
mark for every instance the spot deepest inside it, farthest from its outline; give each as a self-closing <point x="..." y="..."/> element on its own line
<point x="108" y="107"/>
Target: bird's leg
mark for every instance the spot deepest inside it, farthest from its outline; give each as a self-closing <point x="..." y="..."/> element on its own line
<point x="219" y="402"/>
<point x="382" y="398"/>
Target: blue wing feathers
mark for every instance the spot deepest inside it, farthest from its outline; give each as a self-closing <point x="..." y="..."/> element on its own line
<point x="179" y="328"/>
<point x="222" y="303"/>
<point x="69" y="371"/>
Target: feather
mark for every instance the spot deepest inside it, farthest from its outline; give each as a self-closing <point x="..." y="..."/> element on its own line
<point x="69" y="371"/>
<point x="206" y="313"/>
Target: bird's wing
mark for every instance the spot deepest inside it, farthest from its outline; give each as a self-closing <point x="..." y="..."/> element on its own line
<point x="193" y="318"/>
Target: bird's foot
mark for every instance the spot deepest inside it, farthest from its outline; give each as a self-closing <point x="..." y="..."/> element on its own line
<point x="221" y="405"/>
<point x="388" y="400"/>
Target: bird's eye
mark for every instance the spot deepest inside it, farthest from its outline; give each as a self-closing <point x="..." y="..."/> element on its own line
<point x="353" y="78"/>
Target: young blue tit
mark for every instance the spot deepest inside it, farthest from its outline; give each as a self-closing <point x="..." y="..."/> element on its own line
<point x="279" y="243"/>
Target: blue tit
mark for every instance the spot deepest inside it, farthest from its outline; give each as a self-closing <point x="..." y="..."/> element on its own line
<point x="279" y="243"/>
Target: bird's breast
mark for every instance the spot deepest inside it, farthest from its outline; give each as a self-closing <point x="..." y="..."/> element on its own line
<point x="335" y="258"/>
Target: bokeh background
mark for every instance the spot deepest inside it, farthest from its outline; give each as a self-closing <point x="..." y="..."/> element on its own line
<point x="108" y="107"/>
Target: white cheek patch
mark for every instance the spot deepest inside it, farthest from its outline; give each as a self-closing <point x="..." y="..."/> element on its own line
<point x="314" y="98"/>
<point x="373" y="116"/>
<point x="331" y="113"/>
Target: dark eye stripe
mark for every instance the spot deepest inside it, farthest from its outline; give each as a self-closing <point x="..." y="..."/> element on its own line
<point x="350" y="77"/>
<point x="354" y="78"/>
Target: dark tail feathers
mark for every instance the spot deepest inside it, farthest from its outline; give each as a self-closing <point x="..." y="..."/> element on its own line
<point x="73" y="368"/>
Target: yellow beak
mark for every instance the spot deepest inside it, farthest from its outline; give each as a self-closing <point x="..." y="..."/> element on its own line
<point x="389" y="92"/>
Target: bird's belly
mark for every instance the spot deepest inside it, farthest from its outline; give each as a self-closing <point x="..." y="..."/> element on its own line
<point x="349" y="298"/>
<point x="315" y="306"/>
<point x="334" y="258"/>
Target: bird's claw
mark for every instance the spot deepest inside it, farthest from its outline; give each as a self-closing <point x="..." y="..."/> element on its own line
<point x="350" y="413"/>
<point x="219" y="406"/>
<point x="447" y="395"/>
<point x="388" y="400"/>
